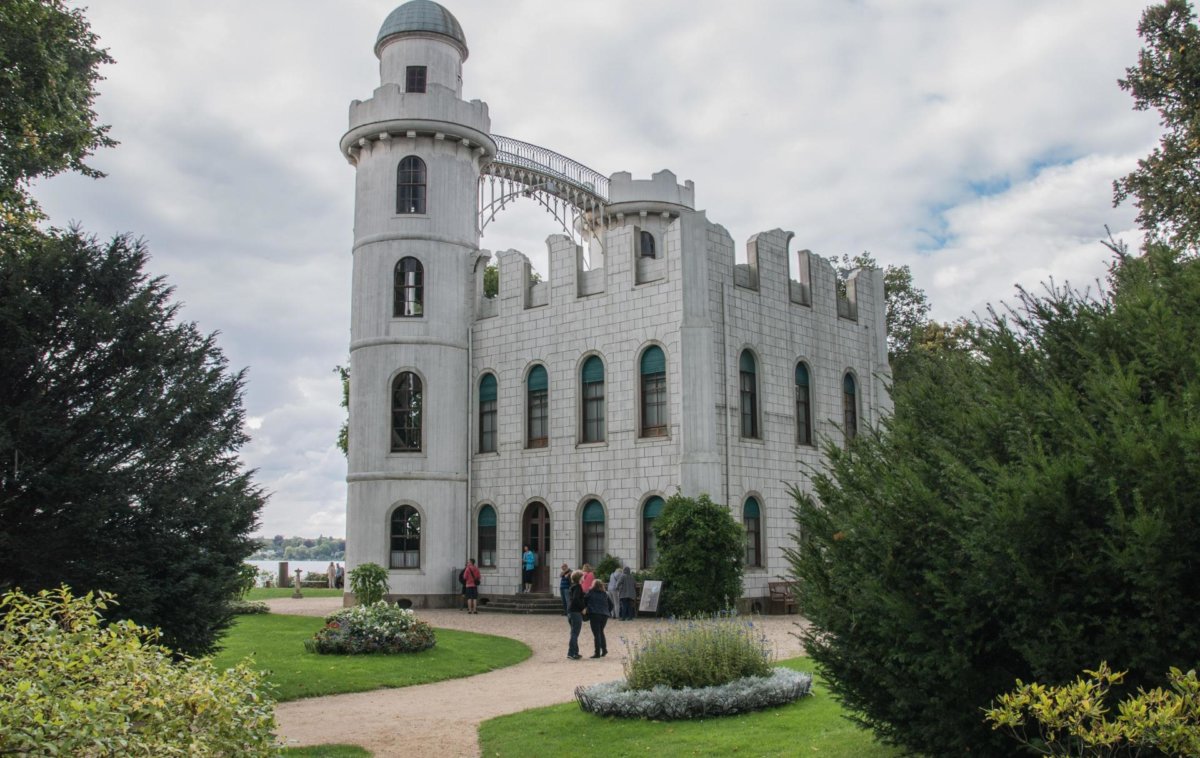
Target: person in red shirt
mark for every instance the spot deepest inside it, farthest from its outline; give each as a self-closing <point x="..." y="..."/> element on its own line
<point x="588" y="579"/>
<point x="471" y="581"/>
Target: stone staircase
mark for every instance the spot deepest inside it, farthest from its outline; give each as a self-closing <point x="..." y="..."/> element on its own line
<point x="534" y="602"/>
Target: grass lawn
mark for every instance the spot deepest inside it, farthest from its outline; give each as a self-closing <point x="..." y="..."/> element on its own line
<point x="811" y="726"/>
<point x="326" y="751"/>
<point x="276" y="644"/>
<point x="270" y="593"/>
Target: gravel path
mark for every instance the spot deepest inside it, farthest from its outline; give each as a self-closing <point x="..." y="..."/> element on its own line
<point x="442" y="719"/>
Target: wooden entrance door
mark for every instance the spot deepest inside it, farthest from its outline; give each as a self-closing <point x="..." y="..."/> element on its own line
<point x="536" y="534"/>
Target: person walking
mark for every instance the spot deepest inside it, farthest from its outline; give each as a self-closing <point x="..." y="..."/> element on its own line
<point x="471" y="581"/>
<point x="528" y="561"/>
<point x="564" y="585"/>
<point x="628" y="593"/>
<point x="599" y="608"/>
<point x="575" y="607"/>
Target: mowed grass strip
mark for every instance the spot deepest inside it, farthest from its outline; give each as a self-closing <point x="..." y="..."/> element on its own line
<point x="275" y="643"/>
<point x="813" y="725"/>
<point x="270" y="593"/>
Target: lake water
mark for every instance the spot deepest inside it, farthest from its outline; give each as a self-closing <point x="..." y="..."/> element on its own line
<point x="315" y="567"/>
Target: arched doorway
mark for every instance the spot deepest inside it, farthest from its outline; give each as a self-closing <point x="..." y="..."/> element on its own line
<point x="535" y="531"/>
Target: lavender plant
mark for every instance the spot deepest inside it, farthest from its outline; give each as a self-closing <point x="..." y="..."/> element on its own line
<point x="702" y="652"/>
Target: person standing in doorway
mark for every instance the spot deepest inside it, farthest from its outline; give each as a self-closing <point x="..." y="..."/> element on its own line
<point x="471" y="581"/>
<point x="564" y="585"/>
<point x="575" y="606"/>
<point x="528" y="561"/>
<point x="599" y="608"/>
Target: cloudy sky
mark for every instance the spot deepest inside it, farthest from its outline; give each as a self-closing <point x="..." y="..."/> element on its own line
<point x="976" y="142"/>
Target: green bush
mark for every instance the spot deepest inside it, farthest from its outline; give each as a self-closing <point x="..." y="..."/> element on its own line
<point x="1030" y="509"/>
<point x="608" y="564"/>
<point x="248" y="607"/>
<point x="378" y="628"/>
<point x="698" y="653"/>
<point x="1071" y="719"/>
<point x="369" y="583"/>
<point x="247" y="579"/>
<point x="70" y="684"/>
<point x="700" y="552"/>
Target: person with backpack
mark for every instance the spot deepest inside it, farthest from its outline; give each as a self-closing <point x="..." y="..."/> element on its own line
<point x="599" y="608"/>
<point x="471" y="579"/>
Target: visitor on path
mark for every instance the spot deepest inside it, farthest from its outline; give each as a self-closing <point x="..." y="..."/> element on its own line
<point x="564" y="585"/>
<point x="340" y="577"/>
<point x="614" y="599"/>
<point x="627" y="593"/>
<point x="599" y="608"/>
<point x="575" y="606"/>
<point x="528" y="561"/>
<point x="471" y="580"/>
<point x="331" y="575"/>
<point x="588" y="578"/>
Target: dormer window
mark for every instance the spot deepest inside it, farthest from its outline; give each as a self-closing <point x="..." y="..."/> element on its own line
<point x="414" y="79"/>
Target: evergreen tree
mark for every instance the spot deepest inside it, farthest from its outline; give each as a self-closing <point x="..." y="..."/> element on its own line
<point x="700" y="551"/>
<point x="119" y="428"/>
<point x="1028" y="512"/>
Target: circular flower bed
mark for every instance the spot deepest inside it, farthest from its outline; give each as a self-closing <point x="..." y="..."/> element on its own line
<point x="662" y="703"/>
<point x="377" y="628"/>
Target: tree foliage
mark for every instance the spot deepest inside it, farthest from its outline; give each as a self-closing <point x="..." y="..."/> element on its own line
<point x="1166" y="184"/>
<point x="74" y="685"/>
<point x="119" y="428"/>
<point x="49" y="67"/>
<point x="343" y="440"/>
<point x="1030" y="509"/>
<point x="907" y="306"/>
<point x="700" y="552"/>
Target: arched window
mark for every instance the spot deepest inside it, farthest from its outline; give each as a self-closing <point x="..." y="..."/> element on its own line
<point x="748" y="383"/>
<point x="486" y="533"/>
<point x="753" y="523"/>
<point x="410" y="185"/>
<point x="593" y="399"/>
<point x="487" y="414"/>
<point x="654" y="392"/>
<point x="803" y="406"/>
<point x="537" y="404"/>
<point x="593" y="533"/>
<point x="646" y="245"/>
<point x="850" y="407"/>
<point x="650" y="511"/>
<point x="409" y="299"/>
<point x="406" y="538"/>
<point x="406" y="413"/>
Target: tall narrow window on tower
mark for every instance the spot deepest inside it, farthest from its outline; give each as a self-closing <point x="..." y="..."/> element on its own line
<point x="414" y="79"/>
<point x="748" y="381"/>
<point x="410" y="186"/>
<point x="850" y="407"/>
<point x="406" y="538"/>
<point x="593" y="533"/>
<point x="753" y="524"/>
<point x="803" y="405"/>
<point x="487" y="414"/>
<point x="646" y="245"/>
<point x="654" y="392"/>
<point x="406" y="413"/>
<point x="593" y="400"/>
<point x="409" y="297"/>
<point x="487" y="536"/>
<point x="537" y="403"/>
<point x="651" y="511"/>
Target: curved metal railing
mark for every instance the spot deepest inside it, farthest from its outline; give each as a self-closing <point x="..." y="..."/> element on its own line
<point x="539" y="160"/>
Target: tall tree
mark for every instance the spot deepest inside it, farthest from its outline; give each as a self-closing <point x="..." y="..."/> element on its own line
<point x="700" y="553"/>
<point x="119" y="428"/>
<point x="1166" y="184"/>
<point x="49" y="66"/>
<point x="906" y="303"/>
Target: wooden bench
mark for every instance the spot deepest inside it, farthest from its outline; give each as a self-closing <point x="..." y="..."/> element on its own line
<point x="780" y="595"/>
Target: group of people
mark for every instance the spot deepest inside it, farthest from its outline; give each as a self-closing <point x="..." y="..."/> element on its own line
<point x="585" y="596"/>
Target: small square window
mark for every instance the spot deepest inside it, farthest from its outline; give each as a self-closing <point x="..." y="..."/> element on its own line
<point x="414" y="79"/>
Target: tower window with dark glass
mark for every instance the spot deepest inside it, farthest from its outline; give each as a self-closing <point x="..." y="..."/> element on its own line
<point x="410" y="186"/>
<point x="406" y="413"/>
<point x="414" y="79"/>
<point x="405" y="538"/>
<point x="409" y="298"/>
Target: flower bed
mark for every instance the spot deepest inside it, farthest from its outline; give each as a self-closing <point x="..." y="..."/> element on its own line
<point x="377" y="628"/>
<point x="662" y="703"/>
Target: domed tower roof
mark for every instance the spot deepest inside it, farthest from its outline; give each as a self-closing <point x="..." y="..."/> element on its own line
<point x="422" y="16"/>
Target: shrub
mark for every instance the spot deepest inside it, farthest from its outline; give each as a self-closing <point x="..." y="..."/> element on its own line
<point x="698" y="653"/>
<point x="369" y="583"/>
<point x="1070" y="719"/>
<point x="248" y="607"/>
<point x="780" y="687"/>
<point x="608" y="564"/>
<point x="247" y="579"/>
<point x="700" y="551"/>
<point x="73" y="685"/>
<point x="378" y="628"/>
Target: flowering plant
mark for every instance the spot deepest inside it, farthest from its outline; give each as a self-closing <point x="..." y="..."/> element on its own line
<point x="375" y="628"/>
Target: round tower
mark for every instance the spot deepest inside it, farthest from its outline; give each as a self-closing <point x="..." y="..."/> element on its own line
<point x="417" y="148"/>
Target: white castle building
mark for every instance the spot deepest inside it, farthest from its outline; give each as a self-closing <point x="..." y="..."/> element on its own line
<point x="560" y="413"/>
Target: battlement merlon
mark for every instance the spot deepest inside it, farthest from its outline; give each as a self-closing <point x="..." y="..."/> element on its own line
<point x="659" y="194"/>
<point x="438" y="111"/>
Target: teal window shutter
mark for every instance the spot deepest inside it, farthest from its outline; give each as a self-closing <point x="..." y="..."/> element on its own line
<point x="751" y="509"/>
<point x="537" y="379"/>
<point x="654" y="507"/>
<point x="593" y="370"/>
<point x="487" y="516"/>
<point x="746" y="363"/>
<point x="653" y="361"/>
<point x="593" y="513"/>
<point x="801" y="375"/>
<point x="487" y="388"/>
